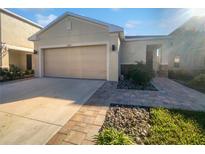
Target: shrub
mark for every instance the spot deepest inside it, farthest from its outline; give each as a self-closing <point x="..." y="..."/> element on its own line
<point x="4" y="74"/>
<point x="32" y="71"/>
<point x="180" y="75"/>
<point x="15" y="72"/>
<point x="141" y="74"/>
<point x="12" y="73"/>
<point x="27" y="72"/>
<point x="198" y="81"/>
<point x="111" y="136"/>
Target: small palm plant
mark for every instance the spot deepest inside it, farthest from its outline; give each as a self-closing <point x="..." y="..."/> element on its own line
<point x="111" y="136"/>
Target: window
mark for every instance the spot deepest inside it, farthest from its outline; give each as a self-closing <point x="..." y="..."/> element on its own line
<point x="176" y="61"/>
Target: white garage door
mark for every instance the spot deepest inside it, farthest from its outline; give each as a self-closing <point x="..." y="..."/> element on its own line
<point x="76" y="62"/>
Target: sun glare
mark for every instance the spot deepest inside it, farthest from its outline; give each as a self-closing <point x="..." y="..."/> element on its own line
<point x="197" y="12"/>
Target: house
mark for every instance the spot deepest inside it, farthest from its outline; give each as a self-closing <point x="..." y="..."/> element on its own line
<point x="79" y="47"/>
<point x="15" y="48"/>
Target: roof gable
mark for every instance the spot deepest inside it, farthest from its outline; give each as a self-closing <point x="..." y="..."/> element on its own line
<point x="111" y="27"/>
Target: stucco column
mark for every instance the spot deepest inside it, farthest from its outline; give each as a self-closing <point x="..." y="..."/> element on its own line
<point x="40" y="71"/>
<point x="164" y="60"/>
<point x="163" y="70"/>
<point x="113" y="57"/>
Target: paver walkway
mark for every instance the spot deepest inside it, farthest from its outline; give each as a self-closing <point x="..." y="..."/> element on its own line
<point x="82" y="127"/>
<point x="170" y="95"/>
<point x="88" y="120"/>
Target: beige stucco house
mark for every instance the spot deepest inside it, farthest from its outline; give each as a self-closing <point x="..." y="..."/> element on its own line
<point x="79" y="47"/>
<point x="15" y="48"/>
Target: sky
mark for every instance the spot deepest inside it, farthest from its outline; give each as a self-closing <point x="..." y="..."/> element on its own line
<point x="138" y="21"/>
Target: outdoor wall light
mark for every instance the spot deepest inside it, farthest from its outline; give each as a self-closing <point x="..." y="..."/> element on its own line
<point x="35" y="52"/>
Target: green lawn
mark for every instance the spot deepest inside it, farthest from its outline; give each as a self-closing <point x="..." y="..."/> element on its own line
<point x="186" y="83"/>
<point x="176" y="127"/>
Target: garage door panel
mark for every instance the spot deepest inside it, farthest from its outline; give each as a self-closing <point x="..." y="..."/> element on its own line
<point x="77" y="62"/>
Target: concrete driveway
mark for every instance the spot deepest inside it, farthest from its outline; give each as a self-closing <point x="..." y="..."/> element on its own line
<point x="32" y="111"/>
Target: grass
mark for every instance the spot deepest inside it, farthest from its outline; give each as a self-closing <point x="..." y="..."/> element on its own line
<point x="187" y="84"/>
<point x="168" y="127"/>
<point x="176" y="127"/>
<point x="194" y="80"/>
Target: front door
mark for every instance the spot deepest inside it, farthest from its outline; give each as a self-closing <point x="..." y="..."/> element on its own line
<point x="29" y="62"/>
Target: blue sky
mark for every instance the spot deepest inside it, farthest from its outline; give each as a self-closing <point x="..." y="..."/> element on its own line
<point x="134" y="21"/>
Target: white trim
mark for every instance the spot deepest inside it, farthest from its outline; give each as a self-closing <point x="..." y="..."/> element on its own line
<point x="145" y="39"/>
<point x="40" y="58"/>
<point x="21" y="18"/>
<point x="19" y="48"/>
<point x="40" y="63"/>
<point x="108" y="61"/>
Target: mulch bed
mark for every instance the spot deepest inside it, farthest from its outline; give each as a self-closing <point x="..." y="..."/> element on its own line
<point x="127" y="84"/>
<point x="134" y="121"/>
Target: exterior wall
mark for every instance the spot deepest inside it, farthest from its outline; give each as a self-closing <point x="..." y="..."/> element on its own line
<point x="5" y="60"/>
<point x="188" y="42"/>
<point x="0" y="28"/>
<point x="0" y="43"/>
<point x="16" y="32"/>
<point x="18" y="58"/>
<point x="190" y="47"/>
<point x="81" y="33"/>
<point x="133" y="51"/>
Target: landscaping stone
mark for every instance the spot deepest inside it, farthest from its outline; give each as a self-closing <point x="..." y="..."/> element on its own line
<point x="134" y="121"/>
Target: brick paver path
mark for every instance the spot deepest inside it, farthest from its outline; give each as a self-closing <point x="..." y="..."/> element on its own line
<point x="82" y="127"/>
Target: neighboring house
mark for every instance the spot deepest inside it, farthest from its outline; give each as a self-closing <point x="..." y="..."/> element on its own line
<point x="15" y="48"/>
<point x="187" y="46"/>
<point x="79" y="47"/>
